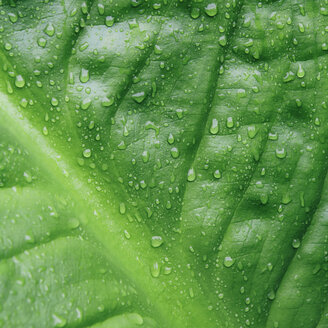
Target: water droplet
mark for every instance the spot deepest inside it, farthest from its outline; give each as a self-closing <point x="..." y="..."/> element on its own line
<point x="175" y="152"/>
<point x="156" y="241"/>
<point x="191" y="176"/>
<point x="121" y="145"/>
<point x="155" y="270"/>
<point x="230" y="122"/>
<point x="158" y="50"/>
<point x="290" y="76"/>
<point x="228" y="262"/>
<point x="109" y="21"/>
<point x="13" y="17"/>
<point x="264" y="198"/>
<point x="211" y="9"/>
<point x="296" y="243"/>
<point x="286" y="199"/>
<point x="139" y="97"/>
<point x="251" y="131"/>
<point x="217" y="174"/>
<point x="223" y="40"/>
<point x="101" y="9"/>
<point x="122" y="208"/>
<point x="54" y="101"/>
<point x="127" y="234"/>
<point x="28" y="177"/>
<point x="8" y="46"/>
<point x="271" y="295"/>
<point x="195" y="13"/>
<point x="170" y="139"/>
<point x="45" y="131"/>
<point x="300" y="71"/>
<point x="301" y="27"/>
<point x="281" y="153"/>
<point x="145" y="156"/>
<point x="85" y="104"/>
<point x="87" y="153"/>
<point x="270" y="266"/>
<point x="59" y="321"/>
<point x="19" y="81"/>
<point x="84" y="75"/>
<point x="49" y="29"/>
<point x="107" y="102"/>
<point x="42" y="42"/>
<point x="214" y="129"/>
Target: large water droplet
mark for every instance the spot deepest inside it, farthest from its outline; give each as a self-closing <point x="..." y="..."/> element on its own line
<point x="156" y="241"/>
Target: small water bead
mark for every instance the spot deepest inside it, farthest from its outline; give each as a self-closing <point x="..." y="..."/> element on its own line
<point x="175" y="152"/>
<point x="158" y="50"/>
<point x="301" y="27"/>
<point x="286" y="199"/>
<point x="251" y="131"/>
<point x="54" y="101"/>
<point x="300" y="72"/>
<point x="281" y="153"/>
<point x="228" y="262"/>
<point x="223" y="40"/>
<point x="107" y="102"/>
<point x="214" y="129"/>
<point x="85" y="104"/>
<point x="8" y="46"/>
<point x="27" y="177"/>
<point x="170" y="139"/>
<point x="101" y="9"/>
<point x="139" y="97"/>
<point x="127" y="234"/>
<point x="121" y="145"/>
<point x="87" y="153"/>
<point x="290" y="76"/>
<point x="155" y="270"/>
<point x="157" y="6"/>
<point x="49" y="29"/>
<point x="195" y="13"/>
<point x="84" y="75"/>
<point x="133" y="23"/>
<point x="270" y="266"/>
<point x="45" y="131"/>
<point x="156" y="241"/>
<point x="19" y="81"/>
<point x="230" y="122"/>
<point x="296" y="243"/>
<point x="145" y="156"/>
<point x="211" y="9"/>
<point x="271" y="295"/>
<point x="217" y="174"/>
<point x="13" y="17"/>
<point x="122" y="208"/>
<point x="191" y="176"/>
<point x="264" y="198"/>
<point x="109" y="21"/>
<point x="59" y="321"/>
<point x="42" y="42"/>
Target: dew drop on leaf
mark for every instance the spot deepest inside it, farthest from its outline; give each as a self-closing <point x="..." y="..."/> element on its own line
<point x="191" y="176"/>
<point x="296" y="243"/>
<point x="19" y="81"/>
<point x="87" y="153"/>
<point x="211" y="9"/>
<point x="155" y="270"/>
<point x="156" y="241"/>
<point x="214" y="129"/>
<point x="228" y="262"/>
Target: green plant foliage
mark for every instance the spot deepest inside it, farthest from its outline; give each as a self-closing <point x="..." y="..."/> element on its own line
<point x="163" y="163"/>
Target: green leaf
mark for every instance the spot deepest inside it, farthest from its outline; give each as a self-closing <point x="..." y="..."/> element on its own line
<point x="163" y="163"/>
